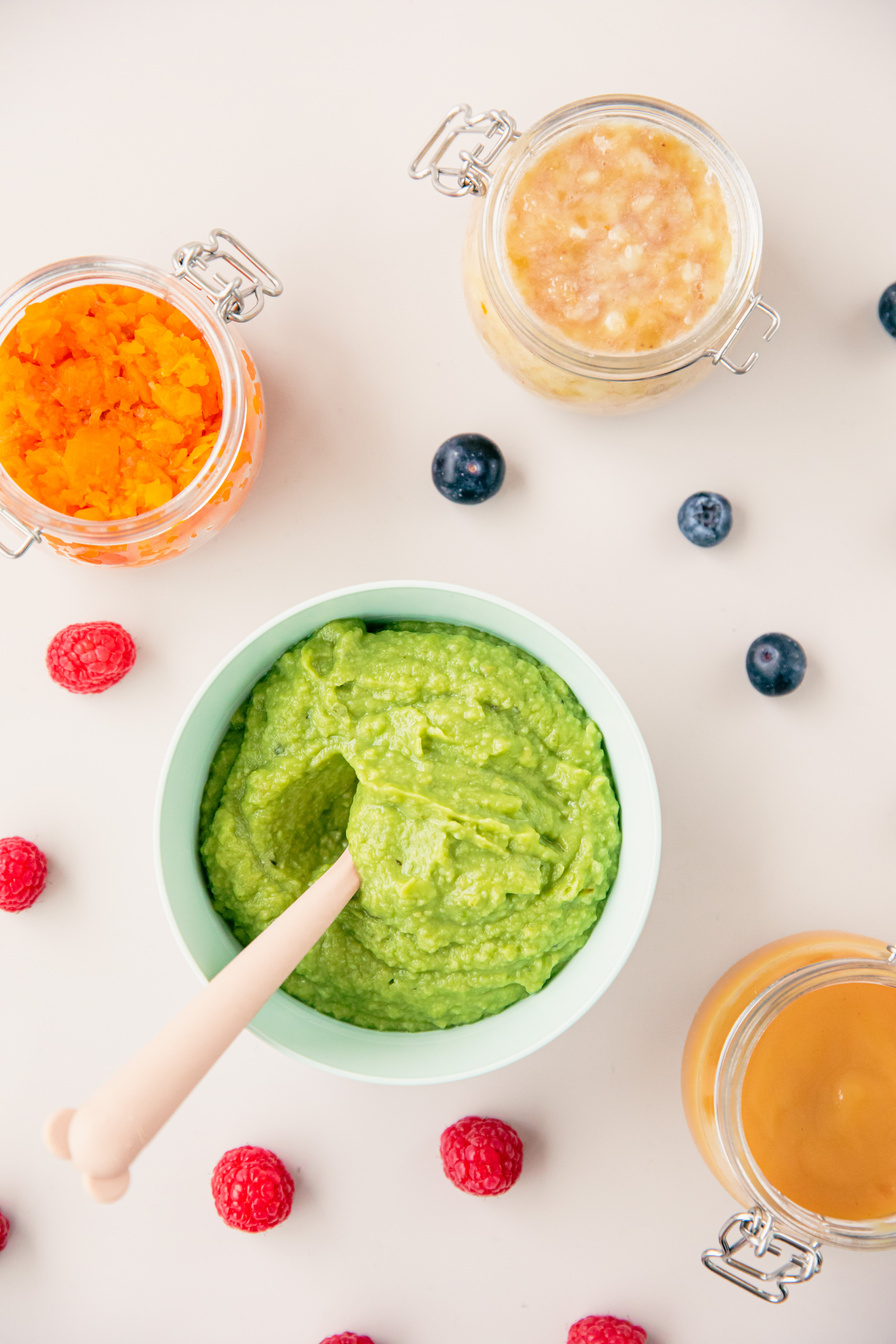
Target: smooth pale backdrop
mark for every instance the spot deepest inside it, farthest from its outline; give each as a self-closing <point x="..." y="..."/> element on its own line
<point x="130" y="129"/>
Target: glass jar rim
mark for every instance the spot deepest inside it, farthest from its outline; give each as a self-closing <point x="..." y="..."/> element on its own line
<point x="877" y="1233"/>
<point x="74" y="273"/>
<point x="745" y="219"/>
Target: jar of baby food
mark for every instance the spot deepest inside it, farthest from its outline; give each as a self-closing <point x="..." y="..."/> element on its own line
<point x="613" y="254"/>
<point x="789" y="1088"/>
<point x="214" y="288"/>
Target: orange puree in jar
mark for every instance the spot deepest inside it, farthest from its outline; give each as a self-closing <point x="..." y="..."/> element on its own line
<point x="110" y="402"/>
<point x="819" y="1101"/>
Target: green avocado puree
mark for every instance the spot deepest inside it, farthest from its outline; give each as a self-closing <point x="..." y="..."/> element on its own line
<point x="476" y="799"/>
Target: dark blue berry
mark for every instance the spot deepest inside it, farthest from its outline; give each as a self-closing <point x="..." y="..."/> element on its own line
<point x="776" y="664"/>
<point x="705" y="518"/>
<point x="468" y="468"/>
<point x="886" y="309"/>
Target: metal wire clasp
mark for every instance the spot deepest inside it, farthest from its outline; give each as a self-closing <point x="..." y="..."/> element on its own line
<point x="29" y="535"/>
<point x="233" y="292"/>
<point x="472" y="174"/>
<point x="774" y="322"/>
<point x="754" y="1232"/>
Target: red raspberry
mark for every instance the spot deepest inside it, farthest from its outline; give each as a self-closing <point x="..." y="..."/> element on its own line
<point x="347" y="1337"/>
<point x="482" y="1155"/>
<point x="23" y="873"/>
<point x="252" y="1189"/>
<point x="605" y="1330"/>
<point x="4" y="1230"/>
<point x="90" y="658"/>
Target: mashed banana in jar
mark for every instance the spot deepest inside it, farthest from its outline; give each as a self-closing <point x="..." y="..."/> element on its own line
<point x="618" y="238"/>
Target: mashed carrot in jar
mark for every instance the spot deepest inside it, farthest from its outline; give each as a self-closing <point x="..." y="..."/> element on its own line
<point x="110" y="402"/>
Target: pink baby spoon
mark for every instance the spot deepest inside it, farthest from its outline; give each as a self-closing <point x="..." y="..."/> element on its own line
<point x="103" y="1136"/>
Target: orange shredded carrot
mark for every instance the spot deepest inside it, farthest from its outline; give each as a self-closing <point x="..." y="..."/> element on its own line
<point x="110" y="402"/>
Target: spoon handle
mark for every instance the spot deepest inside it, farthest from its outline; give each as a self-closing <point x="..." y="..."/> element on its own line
<point x="103" y="1136"/>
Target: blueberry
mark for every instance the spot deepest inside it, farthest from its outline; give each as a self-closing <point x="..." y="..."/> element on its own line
<point x="776" y="664"/>
<point x="705" y="518"/>
<point x="886" y="309"/>
<point x="468" y="468"/>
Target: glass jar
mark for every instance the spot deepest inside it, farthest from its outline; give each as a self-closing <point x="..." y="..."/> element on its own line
<point x="531" y="351"/>
<point x="217" y="286"/>
<point x="725" y="1030"/>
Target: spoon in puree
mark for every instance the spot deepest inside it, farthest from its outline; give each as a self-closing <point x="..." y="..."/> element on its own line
<point x="103" y="1136"/>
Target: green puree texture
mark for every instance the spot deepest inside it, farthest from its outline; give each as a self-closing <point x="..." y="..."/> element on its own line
<point x="478" y="805"/>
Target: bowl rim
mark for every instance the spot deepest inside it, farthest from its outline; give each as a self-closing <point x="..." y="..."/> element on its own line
<point x="649" y="822"/>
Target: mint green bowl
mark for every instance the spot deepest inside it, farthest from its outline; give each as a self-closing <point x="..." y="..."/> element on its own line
<point x="411" y="1057"/>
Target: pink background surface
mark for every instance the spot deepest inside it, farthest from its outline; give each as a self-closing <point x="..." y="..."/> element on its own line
<point x="130" y="130"/>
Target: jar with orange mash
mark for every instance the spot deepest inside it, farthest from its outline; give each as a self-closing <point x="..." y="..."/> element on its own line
<point x="613" y="255"/>
<point x="789" y="1088"/>
<point x="131" y="413"/>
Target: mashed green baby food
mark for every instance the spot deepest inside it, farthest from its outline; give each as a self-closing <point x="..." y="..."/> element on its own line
<point x="476" y="799"/>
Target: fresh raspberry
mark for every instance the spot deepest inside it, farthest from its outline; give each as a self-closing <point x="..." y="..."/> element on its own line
<point x="23" y="873"/>
<point x="252" y="1189"/>
<point x="482" y="1155"/>
<point x="90" y="658"/>
<point x="347" y="1337"/>
<point x="605" y="1330"/>
<point x="4" y="1230"/>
